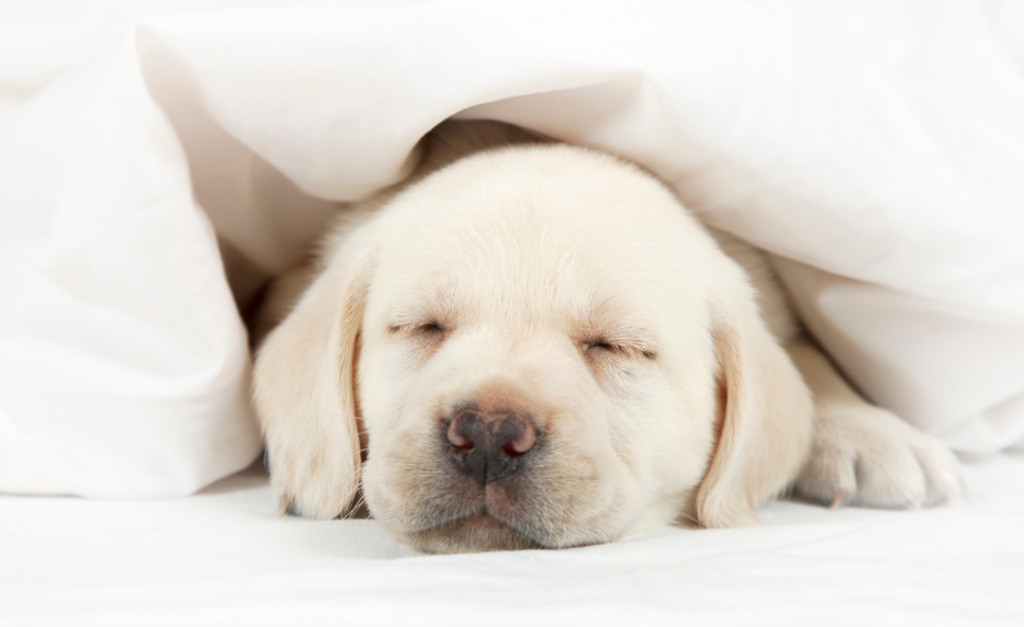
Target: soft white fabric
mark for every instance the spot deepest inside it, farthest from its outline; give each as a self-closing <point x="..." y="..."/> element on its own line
<point x="875" y="147"/>
<point x="224" y="557"/>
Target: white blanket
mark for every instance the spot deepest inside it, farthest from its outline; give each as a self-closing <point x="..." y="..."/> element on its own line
<point x="876" y="148"/>
<point x="224" y="557"/>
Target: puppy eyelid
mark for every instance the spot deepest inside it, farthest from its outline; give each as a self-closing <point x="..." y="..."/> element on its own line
<point x="625" y="349"/>
<point x="431" y="328"/>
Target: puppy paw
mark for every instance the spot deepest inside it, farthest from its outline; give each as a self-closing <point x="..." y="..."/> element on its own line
<point x="310" y="485"/>
<point x="863" y="455"/>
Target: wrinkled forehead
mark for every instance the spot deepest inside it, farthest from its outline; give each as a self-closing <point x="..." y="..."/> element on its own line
<point x="529" y="235"/>
<point x="525" y="284"/>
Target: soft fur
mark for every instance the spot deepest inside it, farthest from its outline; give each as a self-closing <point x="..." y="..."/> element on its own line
<point x="515" y="273"/>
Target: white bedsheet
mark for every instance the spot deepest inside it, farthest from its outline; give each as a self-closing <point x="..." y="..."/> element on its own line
<point x="224" y="557"/>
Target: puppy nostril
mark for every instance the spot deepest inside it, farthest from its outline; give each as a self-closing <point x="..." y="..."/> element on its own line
<point x="488" y="446"/>
<point x="457" y="440"/>
<point x="519" y="443"/>
<point x="510" y="451"/>
<point x="522" y="441"/>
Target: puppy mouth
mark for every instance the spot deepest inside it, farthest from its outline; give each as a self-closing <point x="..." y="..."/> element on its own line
<point x="480" y="531"/>
<point x="484" y="507"/>
<point x="484" y="521"/>
<point x="475" y="518"/>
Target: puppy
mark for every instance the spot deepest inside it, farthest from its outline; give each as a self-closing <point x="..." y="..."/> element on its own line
<point x="529" y="344"/>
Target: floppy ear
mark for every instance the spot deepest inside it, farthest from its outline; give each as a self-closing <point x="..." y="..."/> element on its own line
<point x="765" y="416"/>
<point x="305" y="397"/>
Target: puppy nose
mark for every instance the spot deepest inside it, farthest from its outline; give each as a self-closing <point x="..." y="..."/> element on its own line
<point x="490" y="446"/>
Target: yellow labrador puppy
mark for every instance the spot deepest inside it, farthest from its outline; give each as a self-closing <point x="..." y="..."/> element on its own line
<point x="530" y="344"/>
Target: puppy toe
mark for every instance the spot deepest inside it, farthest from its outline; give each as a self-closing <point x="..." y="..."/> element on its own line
<point x="889" y="476"/>
<point x="829" y="476"/>
<point x="942" y="473"/>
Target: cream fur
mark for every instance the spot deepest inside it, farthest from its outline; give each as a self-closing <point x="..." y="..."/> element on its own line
<point x="524" y="254"/>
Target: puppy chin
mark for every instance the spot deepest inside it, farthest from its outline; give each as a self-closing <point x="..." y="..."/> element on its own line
<point x="472" y="534"/>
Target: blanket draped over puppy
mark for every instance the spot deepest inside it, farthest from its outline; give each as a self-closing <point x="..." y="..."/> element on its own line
<point x="178" y="163"/>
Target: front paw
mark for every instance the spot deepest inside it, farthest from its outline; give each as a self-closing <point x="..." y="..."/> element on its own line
<point x="314" y="485"/>
<point x="864" y="455"/>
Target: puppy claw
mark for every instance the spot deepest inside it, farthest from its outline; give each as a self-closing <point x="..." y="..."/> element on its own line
<point x="286" y="506"/>
<point x="838" y="500"/>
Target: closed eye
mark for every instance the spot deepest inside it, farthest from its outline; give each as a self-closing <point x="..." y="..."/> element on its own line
<point x="598" y="347"/>
<point x="431" y="328"/>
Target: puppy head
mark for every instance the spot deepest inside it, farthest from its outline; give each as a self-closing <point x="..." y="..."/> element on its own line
<point x="545" y="350"/>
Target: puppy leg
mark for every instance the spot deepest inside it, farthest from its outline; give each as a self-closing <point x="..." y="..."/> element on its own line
<point x="864" y="455"/>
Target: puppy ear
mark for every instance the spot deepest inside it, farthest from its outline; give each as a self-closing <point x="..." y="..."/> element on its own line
<point x="765" y="420"/>
<point x="304" y="393"/>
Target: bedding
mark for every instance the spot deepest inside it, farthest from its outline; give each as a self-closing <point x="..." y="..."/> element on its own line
<point x="225" y="557"/>
<point x="874" y="150"/>
<point x="160" y="160"/>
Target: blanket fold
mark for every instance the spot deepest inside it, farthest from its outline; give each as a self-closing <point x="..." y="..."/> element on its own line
<point x="875" y="151"/>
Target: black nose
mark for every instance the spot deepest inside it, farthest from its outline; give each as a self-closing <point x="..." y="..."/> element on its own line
<point x="490" y="446"/>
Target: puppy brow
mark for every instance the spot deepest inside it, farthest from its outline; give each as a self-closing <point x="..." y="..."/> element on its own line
<point x="636" y="341"/>
<point x="437" y="312"/>
<point x="403" y="320"/>
<point x="600" y="325"/>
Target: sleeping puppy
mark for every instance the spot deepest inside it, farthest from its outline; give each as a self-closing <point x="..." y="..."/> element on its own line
<point x="529" y="344"/>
